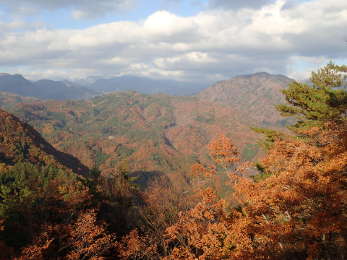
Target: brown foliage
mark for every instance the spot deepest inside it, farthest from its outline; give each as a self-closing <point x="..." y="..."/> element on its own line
<point x="164" y="200"/>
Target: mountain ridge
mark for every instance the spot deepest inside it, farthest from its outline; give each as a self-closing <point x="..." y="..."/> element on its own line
<point x="253" y="95"/>
<point x="20" y="142"/>
<point x="146" y="85"/>
<point x="43" y="89"/>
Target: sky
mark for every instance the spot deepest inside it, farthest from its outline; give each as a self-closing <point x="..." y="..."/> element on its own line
<point x="187" y="40"/>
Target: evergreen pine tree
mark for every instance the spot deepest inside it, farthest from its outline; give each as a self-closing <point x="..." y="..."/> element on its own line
<point x="324" y="99"/>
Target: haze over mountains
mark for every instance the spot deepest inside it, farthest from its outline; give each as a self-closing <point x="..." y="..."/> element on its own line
<point x="43" y="89"/>
<point x="244" y="89"/>
<point x="147" y="86"/>
<point x="83" y="89"/>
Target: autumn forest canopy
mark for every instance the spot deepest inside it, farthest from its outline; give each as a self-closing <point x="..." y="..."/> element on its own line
<point x="251" y="168"/>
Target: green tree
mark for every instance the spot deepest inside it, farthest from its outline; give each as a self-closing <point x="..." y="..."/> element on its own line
<point x="31" y="196"/>
<point x="324" y="99"/>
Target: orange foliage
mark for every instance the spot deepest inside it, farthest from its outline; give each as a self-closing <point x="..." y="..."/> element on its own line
<point x="223" y="151"/>
<point x="88" y="239"/>
<point x="134" y="246"/>
<point x="200" y="170"/>
<point x="298" y="212"/>
<point x="46" y="243"/>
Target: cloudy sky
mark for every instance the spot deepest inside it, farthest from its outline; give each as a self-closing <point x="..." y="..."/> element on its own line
<point x="194" y="40"/>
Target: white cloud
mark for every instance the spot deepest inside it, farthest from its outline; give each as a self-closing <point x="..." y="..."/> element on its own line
<point x="185" y="61"/>
<point x="165" y="23"/>
<point x="213" y="44"/>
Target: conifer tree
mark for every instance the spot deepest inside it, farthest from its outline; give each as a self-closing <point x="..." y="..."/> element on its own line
<point x="324" y="99"/>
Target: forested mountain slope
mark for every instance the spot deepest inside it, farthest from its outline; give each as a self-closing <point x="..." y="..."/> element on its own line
<point x="155" y="132"/>
<point x="254" y="96"/>
<point x="19" y="142"/>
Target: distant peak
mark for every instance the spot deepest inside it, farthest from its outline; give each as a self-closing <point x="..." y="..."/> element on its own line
<point x="256" y="74"/>
<point x="262" y="73"/>
<point x="2" y="74"/>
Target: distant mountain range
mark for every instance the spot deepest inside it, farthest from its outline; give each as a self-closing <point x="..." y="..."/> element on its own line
<point x="43" y="89"/>
<point x="255" y="93"/>
<point x="147" y="86"/>
<point x="83" y="89"/>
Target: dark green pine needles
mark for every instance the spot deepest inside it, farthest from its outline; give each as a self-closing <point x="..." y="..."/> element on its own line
<point x="322" y="100"/>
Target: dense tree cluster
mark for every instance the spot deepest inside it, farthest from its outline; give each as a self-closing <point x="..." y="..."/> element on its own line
<point x="295" y="208"/>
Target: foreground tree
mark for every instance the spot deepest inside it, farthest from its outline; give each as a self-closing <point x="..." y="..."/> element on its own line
<point x="90" y="240"/>
<point x="323" y="100"/>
